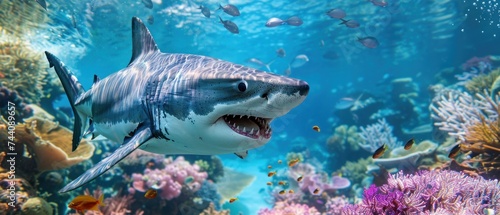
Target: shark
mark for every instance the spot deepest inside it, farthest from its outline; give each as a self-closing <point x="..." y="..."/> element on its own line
<point x="170" y="103"/>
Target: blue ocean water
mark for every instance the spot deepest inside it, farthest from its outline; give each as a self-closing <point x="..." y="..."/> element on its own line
<point x="417" y="40"/>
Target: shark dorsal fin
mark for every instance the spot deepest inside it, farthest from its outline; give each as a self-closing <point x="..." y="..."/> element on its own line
<point x="142" y="41"/>
<point x="96" y="79"/>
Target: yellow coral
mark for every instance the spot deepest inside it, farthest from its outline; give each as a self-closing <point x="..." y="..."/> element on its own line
<point x="18" y="17"/>
<point x="482" y="82"/>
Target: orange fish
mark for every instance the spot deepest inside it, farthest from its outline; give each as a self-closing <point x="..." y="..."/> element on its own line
<point x="409" y="144"/>
<point x="379" y="152"/>
<point x="86" y="202"/>
<point x="279" y="161"/>
<point x="231" y="200"/>
<point x="282" y="192"/>
<point x="2" y="75"/>
<point x="316" y="128"/>
<point x="299" y="179"/>
<point x="151" y="194"/>
<point x="270" y="174"/>
<point x="454" y="151"/>
<point x="293" y="162"/>
<point x="269" y="167"/>
<point x="282" y="183"/>
<point x="316" y="191"/>
<point x="291" y="191"/>
<point x="269" y="183"/>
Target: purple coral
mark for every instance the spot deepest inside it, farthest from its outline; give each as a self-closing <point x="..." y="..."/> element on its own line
<point x="281" y="208"/>
<point x="430" y="192"/>
<point x="320" y="181"/>
<point x="170" y="180"/>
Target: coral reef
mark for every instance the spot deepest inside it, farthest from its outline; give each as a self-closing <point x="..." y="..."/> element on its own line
<point x="376" y="135"/>
<point x="356" y="171"/>
<point x="37" y="206"/>
<point x="208" y="193"/>
<point x="475" y="123"/>
<point x="170" y="180"/>
<point x="213" y="166"/>
<point x="344" y="137"/>
<point x="482" y="82"/>
<point x="21" y="110"/>
<point x="438" y="192"/>
<point x="212" y="211"/>
<point x="284" y="208"/>
<point x="23" y="70"/>
<point x="335" y="204"/>
<point x="321" y="182"/>
<point x="50" y="144"/>
<point x="137" y="160"/>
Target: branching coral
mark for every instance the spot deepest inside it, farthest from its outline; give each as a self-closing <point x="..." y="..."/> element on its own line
<point x="437" y="192"/>
<point x="23" y="70"/>
<point x="476" y="125"/>
<point x="376" y="135"/>
<point x="284" y="208"/>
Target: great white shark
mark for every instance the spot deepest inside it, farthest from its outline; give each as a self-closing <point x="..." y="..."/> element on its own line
<point x="176" y="104"/>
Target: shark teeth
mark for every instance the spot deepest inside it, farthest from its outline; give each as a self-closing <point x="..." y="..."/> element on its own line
<point x="250" y="126"/>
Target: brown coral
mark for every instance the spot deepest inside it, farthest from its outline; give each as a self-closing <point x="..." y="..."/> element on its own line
<point x="483" y="140"/>
<point x="23" y="70"/>
<point x="212" y="211"/>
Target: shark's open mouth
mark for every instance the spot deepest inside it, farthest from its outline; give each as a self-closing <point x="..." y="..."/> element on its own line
<point x="250" y="126"/>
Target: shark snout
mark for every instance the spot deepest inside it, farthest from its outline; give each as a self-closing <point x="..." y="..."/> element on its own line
<point x="287" y="96"/>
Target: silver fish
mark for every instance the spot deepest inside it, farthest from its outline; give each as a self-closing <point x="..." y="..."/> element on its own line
<point x="148" y="3"/>
<point x="369" y="42"/>
<point x="273" y="22"/>
<point x="336" y="13"/>
<point x="151" y="19"/>
<point x="381" y="3"/>
<point x="350" y="23"/>
<point x="205" y="11"/>
<point x="230" y="9"/>
<point x="299" y="61"/>
<point x="294" y="20"/>
<point x="230" y="26"/>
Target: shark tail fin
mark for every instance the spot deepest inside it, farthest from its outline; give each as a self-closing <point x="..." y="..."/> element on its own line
<point x="142" y="41"/>
<point x="74" y="90"/>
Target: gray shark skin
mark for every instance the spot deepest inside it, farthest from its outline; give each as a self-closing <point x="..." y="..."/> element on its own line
<point x="177" y="104"/>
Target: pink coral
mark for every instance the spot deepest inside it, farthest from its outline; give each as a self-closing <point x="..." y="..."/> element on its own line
<point x="170" y="180"/>
<point x="283" y="208"/>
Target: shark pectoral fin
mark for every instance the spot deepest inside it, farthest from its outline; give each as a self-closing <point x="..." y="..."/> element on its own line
<point x="242" y="155"/>
<point x="142" y="135"/>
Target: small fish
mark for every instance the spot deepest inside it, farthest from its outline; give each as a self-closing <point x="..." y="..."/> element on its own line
<point x="379" y="152"/>
<point x="321" y="43"/>
<point x="282" y="192"/>
<point x="316" y="191"/>
<point x="259" y="63"/>
<point x="281" y="52"/>
<point x="2" y="75"/>
<point x="230" y="26"/>
<point x="282" y="183"/>
<point x="409" y="144"/>
<point x="269" y="183"/>
<point x="205" y="11"/>
<point x="279" y="161"/>
<point x="151" y="19"/>
<point x="231" y="200"/>
<point x="291" y="192"/>
<point x="148" y="3"/>
<point x="269" y="167"/>
<point x="270" y="174"/>
<point x="294" y="21"/>
<point x="42" y="3"/>
<point x="349" y="23"/>
<point x="230" y="9"/>
<point x="316" y="128"/>
<point x="454" y="151"/>
<point x="150" y="194"/>
<point x="288" y="71"/>
<point x="369" y="42"/>
<point x="381" y="3"/>
<point x="299" y="61"/>
<point x="273" y="22"/>
<point x="293" y="162"/>
<point x="299" y="179"/>
<point x="336" y="13"/>
<point x="86" y="202"/>
<point x="188" y="180"/>
<point x="150" y="164"/>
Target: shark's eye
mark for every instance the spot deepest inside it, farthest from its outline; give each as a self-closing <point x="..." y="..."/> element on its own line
<point x="242" y="86"/>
